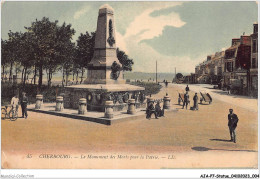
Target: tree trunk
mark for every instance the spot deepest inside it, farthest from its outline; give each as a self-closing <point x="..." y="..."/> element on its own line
<point x="40" y="76"/>
<point x="24" y="80"/>
<point x="35" y="73"/>
<point x="73" y="73"/>
<point x="82" y="74"/>
<point x="3" y="76"/>
<point x="22" y="76"/>
<point x="49" y="77"/>
<point x="66" y="77"/>
<point x="77" y="77"/>
<point x="11" y="72"/>
<point x="16" y="72"/>
<point x="62" y="83"/>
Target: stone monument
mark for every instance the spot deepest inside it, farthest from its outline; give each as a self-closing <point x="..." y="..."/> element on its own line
<point x="102" y="67"/>
<point x="104" y="77"/>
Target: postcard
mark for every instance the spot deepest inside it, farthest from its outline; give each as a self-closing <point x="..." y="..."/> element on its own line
<point x="129" y="85"/>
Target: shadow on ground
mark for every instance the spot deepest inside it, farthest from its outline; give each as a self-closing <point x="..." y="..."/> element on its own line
<point x="221" y="140"/>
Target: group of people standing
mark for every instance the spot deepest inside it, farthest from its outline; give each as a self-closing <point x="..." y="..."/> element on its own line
<point x="23" y="101"/>
<point x="157" y="110"/>
<point x="186" y="100"/>
<point x="232" y="117"/>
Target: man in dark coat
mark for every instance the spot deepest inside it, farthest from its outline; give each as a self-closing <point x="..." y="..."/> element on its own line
<point x="232" y="124"/>
<point x="150" y="110"/>
<point x="195" y="100"/>
<point x="166" y="83"/>
<point x="159" y="112"/>
<point x="24" y="102"/>
<point x="187" y="88"/>
<point x="186" y="100"/>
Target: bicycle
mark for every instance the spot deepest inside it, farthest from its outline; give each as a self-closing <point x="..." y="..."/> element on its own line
<point x="12" y="114"/>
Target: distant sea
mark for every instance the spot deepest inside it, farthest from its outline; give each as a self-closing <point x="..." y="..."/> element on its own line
<point x="148" y="76"/>
<point x="127" y="75"/>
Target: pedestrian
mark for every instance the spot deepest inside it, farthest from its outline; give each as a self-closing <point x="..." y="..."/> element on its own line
<point x="24" y="102"/>
<point x="15" y="103"/>
<point x="228" y="89"/>
<point x="187" y="88"/>
<point x="159" y="112"/>
<point x="186" y="100"/>
<point x="150" y="110"/>
<point x="232" y="124"/>
<point x="166" y="83"/>
<point x="195" y="100"/>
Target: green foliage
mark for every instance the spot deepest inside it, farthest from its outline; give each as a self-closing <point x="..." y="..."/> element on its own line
<point x="52" y="46"/>
<point x="8" y="91"/>
<point x="150" y="88"/>
<point x="48" y="46"/>
<point x="126" y="62"/>
<point x="85" y="49"/>
<point x="179" y="75"/>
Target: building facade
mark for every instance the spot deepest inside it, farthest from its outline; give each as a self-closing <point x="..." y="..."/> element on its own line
<point x="236" y="67"/>
<point x="253" y="82"/>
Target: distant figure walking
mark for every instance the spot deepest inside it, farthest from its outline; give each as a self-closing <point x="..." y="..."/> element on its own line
<point x="195" y="100"/>
<point x="228" y="89"/>
<point x="150" y="110"/>
<point x="24" y="102"/>
<point x="186" y="100"/>
<point x="159" y="112"/>
<point x="166" y="83"/>
<point x="187" y="88"/>
<point x="232" y="124"/>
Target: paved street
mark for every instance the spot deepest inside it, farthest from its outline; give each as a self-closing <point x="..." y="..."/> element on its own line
<point x="186" y="139"/>
<point x="246" y="102"/>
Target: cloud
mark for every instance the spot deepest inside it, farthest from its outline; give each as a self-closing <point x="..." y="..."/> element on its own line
<point x="145" y="57"/>
<point x="145" y="27"/>
<point x="81" y="12"/>
<point x="148" y="27"/>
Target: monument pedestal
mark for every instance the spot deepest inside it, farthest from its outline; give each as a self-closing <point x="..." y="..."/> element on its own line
<point x="98" y="94"/>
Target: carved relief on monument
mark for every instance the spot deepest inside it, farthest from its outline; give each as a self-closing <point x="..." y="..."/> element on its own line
<point x="115" y="67"/>
<point x="89" y="97"/>
<point x="126" y="97"/>
<point x="120" y="98"/>
<point x="99" y="98"/>
<point x="110" y="40"/>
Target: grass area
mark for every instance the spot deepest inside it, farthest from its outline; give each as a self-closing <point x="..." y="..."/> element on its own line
<point x="8" y="91"/>
<point x="150" y="88"/>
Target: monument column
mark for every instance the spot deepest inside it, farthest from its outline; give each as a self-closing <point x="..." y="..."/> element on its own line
<point x="104" y="68"/>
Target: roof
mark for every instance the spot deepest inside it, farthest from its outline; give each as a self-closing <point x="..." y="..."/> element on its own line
<point x="233" y="47"/>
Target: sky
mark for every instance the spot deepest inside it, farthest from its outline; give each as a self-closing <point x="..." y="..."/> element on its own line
<point x="176" y="34"/>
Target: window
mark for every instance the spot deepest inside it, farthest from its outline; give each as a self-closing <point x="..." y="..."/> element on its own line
<point x="219" y="71"/>
<point x="254" y="46"/>
<point x="255" y="29"/>
<point x="254" y="63"/>
<point x="229" y="66"/>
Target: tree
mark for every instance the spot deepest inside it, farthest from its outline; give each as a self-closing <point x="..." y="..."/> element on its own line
<point x="179" y="75"/>
<point x="4" y="57"/>
<point x="13" y="52"/>
<point x="84" y="51"/>
<point x="52" y="46"/>
<point x="126" y="62"/>
<point x="27" y="52"/>
<point x="44" y="32"/>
